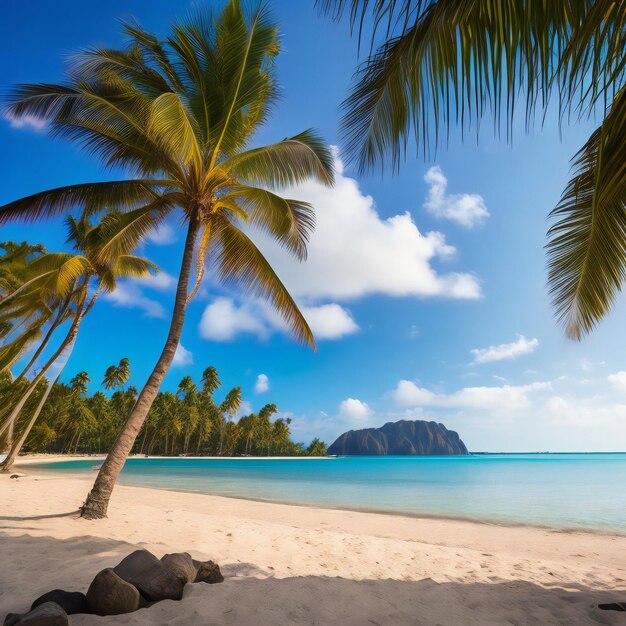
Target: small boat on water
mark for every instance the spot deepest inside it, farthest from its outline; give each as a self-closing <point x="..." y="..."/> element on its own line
<point x="96" y="467"/>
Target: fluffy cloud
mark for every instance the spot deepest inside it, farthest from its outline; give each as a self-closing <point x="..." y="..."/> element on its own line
<point x="129" y="295"/>
<point x="224" y="319"/>
<point x="26" y="121"/>
<point x="354" y="409"/>
<point x="618" y="381"/>
<point x="262" y="383"/>
<point x="329" y="321"/>
<point x="505" y="351"/>
<point x="162" y="281"/>
<point x="505" y="399"/>
<point x="183" y="357"/>
<point x="354" y="252"/>
<point x="464" y="208"/>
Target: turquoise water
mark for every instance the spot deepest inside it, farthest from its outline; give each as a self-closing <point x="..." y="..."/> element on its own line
<point x="556" y="490"/>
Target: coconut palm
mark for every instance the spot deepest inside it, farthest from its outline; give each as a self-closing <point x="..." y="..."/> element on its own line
<point x="72" y="275"/>
<point x="116" y="376"/>
<point x="445" y="62"/>
<point x="180" y="114"/>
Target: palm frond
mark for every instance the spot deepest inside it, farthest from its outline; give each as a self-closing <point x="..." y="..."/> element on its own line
<point x="587" y="243"/>
<point x="238" y="259"/>
<point x="175" y="129"/>
<point x="121" y="195"/>
<point x="452" y="61"/>
<point x="283" y="164"/>
<point x="291" y="222"/>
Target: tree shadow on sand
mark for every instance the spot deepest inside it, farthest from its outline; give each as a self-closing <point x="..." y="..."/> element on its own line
<point x="32" y="565"/>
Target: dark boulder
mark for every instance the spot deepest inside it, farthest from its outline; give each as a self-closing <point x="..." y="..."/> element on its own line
<point x="109" y="594"/>
<point x="153" y="579"/>
<point x="181" y="565"/>
<point x="208" y="572"/>
<point x="46" y="614"/>
<point x="72" y="602"/>
<point x="416" y="438"/>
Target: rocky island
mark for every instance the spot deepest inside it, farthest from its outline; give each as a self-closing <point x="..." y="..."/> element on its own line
<point x="417" y="438"/>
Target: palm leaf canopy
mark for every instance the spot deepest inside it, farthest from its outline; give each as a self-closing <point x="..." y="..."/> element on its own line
<point x="179" y="115"/>
<point x="451" y="62"/>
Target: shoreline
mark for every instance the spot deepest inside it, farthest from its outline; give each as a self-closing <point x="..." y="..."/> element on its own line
<point x="287" y="564"/>
<point x="485" y="521"/>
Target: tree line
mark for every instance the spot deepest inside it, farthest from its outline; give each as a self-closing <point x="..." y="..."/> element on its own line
<point x="189" y="421"/>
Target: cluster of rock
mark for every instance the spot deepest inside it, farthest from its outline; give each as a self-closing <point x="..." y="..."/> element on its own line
<point x="138" y="581"/>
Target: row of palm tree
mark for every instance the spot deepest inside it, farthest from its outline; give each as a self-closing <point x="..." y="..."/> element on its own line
<point x="189" y="421"/>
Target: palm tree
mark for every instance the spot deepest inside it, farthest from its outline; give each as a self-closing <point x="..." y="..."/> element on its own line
<point x="452" y="61"/>
<point x="72" y="275"/>
<point x="180" y="114"/>
<point x="116" y="376"/>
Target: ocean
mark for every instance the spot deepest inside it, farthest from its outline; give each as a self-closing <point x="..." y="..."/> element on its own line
<point x="561" y="491"/>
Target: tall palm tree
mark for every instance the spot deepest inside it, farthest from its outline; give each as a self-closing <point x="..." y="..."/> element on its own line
<point x="445" y="62"/>
<point x="180" y="114"/>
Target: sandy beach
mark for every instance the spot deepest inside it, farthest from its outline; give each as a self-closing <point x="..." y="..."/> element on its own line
<point x="299" y="565"/>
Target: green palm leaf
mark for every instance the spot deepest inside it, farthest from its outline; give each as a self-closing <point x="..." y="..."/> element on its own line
<point x="587" y="247"/>
<point x="240" y="260"/>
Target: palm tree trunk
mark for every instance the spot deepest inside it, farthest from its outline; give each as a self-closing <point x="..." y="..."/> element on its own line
<point x="8" y="462"/>
<point x="71" y="335"/>
<point x="97" y="502"/>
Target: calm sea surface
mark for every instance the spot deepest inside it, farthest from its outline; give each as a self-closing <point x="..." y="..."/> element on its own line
<point x="557" y="490"/>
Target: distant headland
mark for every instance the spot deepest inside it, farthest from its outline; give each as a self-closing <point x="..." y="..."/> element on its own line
<point x="416" y="438"/>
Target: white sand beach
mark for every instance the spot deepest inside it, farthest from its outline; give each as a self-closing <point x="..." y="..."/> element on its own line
<point x="298" y="565"/>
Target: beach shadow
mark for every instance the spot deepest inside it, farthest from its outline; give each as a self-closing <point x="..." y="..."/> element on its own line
<point x="32" y="518"/>
<point x="39" y="564"/>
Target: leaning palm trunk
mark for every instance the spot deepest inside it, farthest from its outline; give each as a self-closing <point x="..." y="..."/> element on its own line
<point x="97" y="502"/>
<point x="69" y="338"/>
<point x="7" y="464"/>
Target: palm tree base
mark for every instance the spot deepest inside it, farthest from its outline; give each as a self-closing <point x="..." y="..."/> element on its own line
<point x="93" y="508"/>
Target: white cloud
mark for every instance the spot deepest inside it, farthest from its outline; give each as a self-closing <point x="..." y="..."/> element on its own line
<point x="354" y="252"/>
<point x="183" y="357"/>
<point x="26" y="121"/>
<point x="162" y="281"/>
<point x="464" y="208"/>
<point x="504" y="399"/>
<point x="618" y="380"/>
<point x="129" y="295"/>
<point x="329" y="321"/>
<point x="262" y="383"/>
<point x="222" y="320"/>
<point x="162" y="235"/>
<point x="352" y="408"/>
<point x="505" y="351"/>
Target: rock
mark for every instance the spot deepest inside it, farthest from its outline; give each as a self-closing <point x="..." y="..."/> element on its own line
<point x="153" y="579"/>
<point x="181" y="565"/>
<point x="613" y="606"/>
<point x="109" y="594"/>
<point x="415" y="438"/>
<point x="72" y="602"/>
<point x="46" y="614"/>
<point x="208" y="572"/>
<point x="16" y="476"/>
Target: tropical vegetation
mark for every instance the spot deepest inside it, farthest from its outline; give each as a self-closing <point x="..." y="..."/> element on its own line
<point x="189" y="421"/>
<point x="437" y="63"/>
<point x="178" y="114"/>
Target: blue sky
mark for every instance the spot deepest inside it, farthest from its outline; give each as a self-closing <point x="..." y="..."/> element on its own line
<point x="426" y="290"/>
